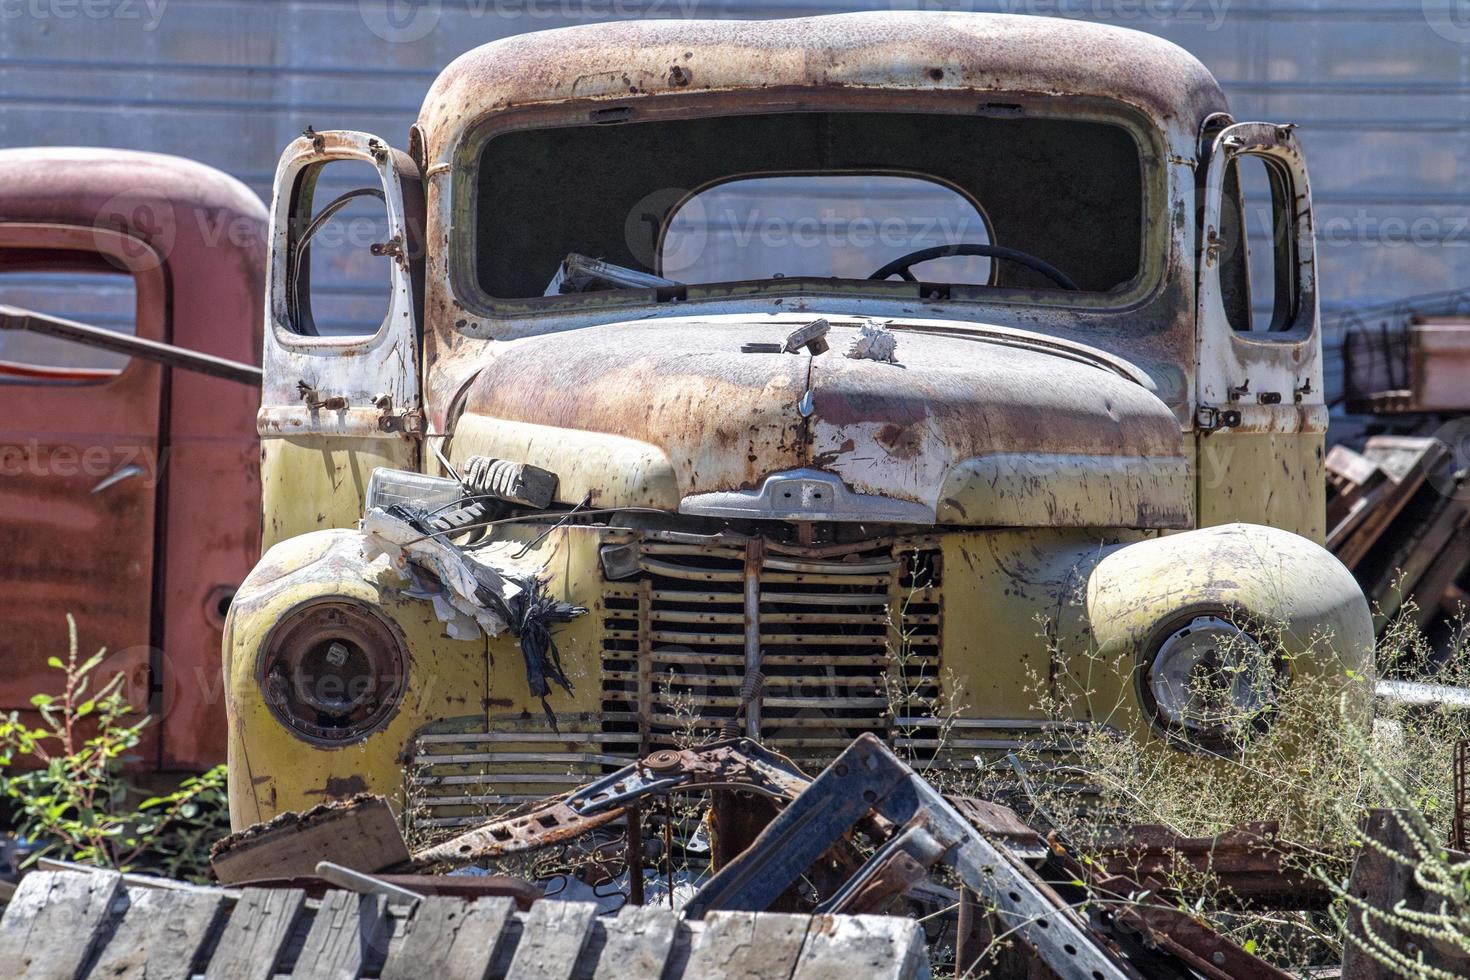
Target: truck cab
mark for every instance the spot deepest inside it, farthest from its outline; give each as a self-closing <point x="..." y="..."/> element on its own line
<point x="103" y="451"/>
<point x="870" y="372"/>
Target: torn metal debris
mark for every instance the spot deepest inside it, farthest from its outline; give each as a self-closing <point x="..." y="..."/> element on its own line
<point x="875" y="342"/>
<point x="475" y="593"/>
<point x="1031" y="886"/>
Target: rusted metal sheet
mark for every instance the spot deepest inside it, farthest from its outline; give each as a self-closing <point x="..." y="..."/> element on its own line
<point x="893" y="50"/>
<point x="147" y="563"/>
<point x="877" y="62"/>
<point x="1253" y="865"/>
<point x="717" y="418"/>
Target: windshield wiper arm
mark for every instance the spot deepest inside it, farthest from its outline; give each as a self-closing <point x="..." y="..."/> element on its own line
<point x="580" y="273"/>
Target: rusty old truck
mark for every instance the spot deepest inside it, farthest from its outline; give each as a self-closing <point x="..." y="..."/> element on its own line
<point x="110" y="430"/>
<point x="882" y="372"/>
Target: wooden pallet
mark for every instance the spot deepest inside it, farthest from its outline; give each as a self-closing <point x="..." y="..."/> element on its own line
<point x="63" y="925"/>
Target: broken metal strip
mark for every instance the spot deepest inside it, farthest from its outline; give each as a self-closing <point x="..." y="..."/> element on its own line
<point x="738" y="763"/>
<point x="15" y="318"/>
<point x="866" y="778"/>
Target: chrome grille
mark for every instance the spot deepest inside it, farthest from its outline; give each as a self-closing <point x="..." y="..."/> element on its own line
<point x="462" y="778"/>
<point x="844" y="633"/>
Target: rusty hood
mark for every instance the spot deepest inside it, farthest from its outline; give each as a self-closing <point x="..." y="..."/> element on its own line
<point x="970" y="426"/>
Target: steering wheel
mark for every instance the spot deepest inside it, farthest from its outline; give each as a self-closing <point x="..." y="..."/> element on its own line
<point x="901" y="264"/>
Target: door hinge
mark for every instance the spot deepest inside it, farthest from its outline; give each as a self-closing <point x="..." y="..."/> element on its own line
<point x="1209" y="419"/>
<point x="409" y="423"/>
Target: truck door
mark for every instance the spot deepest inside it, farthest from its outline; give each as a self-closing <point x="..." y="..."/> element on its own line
<point x="79" y="461"/>
<point x="1260" y="413"/>
<point x="341" y="390"/>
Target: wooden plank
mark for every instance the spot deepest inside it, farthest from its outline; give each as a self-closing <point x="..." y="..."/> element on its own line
<point x="638" y="942"/>
<point x="362" y="835"/>
<point x="552" y="940"/>
<point x="1406" y="464"/>
<point x="255" y="937"/>
<point x="348" y="936"/>
<point x="56" y="920"/>
<point x="450" y="938"/>
<point x="874" y="947"/>
<point x="1344" y="464"/>
<point x="161" y="935"/>
<point x="747" y="944"/>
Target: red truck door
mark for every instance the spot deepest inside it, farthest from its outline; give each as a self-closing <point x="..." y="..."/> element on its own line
<point x="79" y="467"/>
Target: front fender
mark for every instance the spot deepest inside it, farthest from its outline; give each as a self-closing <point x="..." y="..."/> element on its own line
<point x="1280" y="583"/>
<point x="271" y="767"/>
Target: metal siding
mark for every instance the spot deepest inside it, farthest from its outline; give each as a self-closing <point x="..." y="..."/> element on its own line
<point x="1379" y="88"/>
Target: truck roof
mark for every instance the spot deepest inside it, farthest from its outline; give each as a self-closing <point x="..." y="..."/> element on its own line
<point x="895" y="51"/>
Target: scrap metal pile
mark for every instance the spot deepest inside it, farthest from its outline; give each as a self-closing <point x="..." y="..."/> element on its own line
<point x="1397" y="519"/>
<point x="857" y="839"/>
<point x="823" y="882"/>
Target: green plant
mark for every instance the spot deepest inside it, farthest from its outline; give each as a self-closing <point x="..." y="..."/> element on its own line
<point x="1429" y="863"/>
<point x="71" y="800"/>
<point x="1314" y="781"/>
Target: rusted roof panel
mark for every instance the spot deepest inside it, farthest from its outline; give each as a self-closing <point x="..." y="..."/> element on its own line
<point x="885" y="50"/>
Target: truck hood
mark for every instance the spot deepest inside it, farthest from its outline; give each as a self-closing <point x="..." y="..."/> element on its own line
<point x="981" y="426"/>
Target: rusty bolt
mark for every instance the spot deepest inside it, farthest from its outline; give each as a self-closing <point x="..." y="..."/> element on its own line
<point x="679" y="76"/>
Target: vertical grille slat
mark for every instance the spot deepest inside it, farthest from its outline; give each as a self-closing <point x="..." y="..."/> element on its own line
<point x="830" y="622"/>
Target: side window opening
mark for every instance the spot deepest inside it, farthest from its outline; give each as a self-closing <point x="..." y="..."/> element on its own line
<point x="338" y="284"/>
<point x="843" y="226"/>
<point x="73" y="286"/>
<point x="1258" y="272"/>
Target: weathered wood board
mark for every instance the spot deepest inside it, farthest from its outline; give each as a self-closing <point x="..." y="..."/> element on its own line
<point x="66" y="925"/>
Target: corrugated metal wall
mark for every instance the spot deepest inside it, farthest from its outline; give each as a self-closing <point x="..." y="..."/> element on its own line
<point x="1379" y="88"/>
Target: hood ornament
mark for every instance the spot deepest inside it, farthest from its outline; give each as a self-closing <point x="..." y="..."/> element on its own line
<point x="812" y="337"/>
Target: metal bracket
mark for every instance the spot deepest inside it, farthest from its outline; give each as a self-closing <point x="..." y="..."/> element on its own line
<point x="1210" y="419"/>
<point x="409" y="423"/>
<point x="866" y="777"/>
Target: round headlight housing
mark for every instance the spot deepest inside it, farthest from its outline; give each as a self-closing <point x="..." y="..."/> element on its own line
<point x="333" y="670"/>
<point x="1211" y="682"/>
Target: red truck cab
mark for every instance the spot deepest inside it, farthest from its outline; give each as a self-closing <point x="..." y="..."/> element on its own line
<point x="129" y="490"/>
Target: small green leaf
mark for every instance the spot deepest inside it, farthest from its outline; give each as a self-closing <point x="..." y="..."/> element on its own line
<point x="41" y="700"/>
<point x="55" y="662"/>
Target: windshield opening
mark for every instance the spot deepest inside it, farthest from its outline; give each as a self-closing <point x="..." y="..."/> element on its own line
<point x="978" y="202"/>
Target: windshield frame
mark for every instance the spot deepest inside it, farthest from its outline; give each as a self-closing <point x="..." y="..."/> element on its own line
<point x="1147" y="134"/>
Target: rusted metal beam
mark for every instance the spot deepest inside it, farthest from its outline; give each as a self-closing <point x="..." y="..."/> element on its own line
<point x="1254" y="866"/>
<point x="15" y="318"/>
